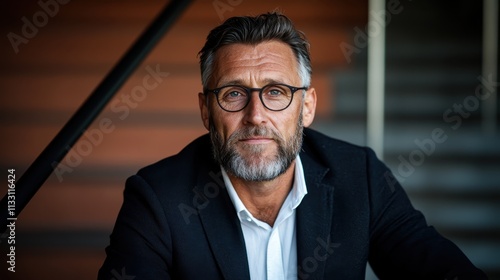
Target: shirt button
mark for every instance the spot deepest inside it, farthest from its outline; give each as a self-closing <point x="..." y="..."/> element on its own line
<point x="246" y="217"/>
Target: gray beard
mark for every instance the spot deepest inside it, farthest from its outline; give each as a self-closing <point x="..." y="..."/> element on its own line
<point x="254" y="167"/>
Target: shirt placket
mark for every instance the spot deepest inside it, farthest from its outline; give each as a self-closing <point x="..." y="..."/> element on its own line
<point x="274" y="256"/>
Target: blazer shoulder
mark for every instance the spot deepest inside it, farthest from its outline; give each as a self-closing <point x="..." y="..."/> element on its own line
<point x="327" y="149"/>
<point x="179" y="167"/>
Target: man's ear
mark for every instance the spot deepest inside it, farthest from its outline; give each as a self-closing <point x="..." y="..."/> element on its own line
<point x="309" y="109"/>
<point x="205" y="113"/>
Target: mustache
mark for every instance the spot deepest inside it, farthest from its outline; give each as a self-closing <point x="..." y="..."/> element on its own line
<point x="255" y="131"/>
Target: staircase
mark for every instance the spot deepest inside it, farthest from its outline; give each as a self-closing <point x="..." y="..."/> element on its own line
<point x="447" y="165"/>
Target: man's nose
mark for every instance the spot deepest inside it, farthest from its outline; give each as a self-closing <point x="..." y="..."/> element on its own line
<point x="255" y="112"/>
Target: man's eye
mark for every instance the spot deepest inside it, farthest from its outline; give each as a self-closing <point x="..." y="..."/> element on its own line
<point x="234" y="94"/>
<point x="275" y="92"/>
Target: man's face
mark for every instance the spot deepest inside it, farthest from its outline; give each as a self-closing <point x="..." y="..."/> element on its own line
<point x="256" y="144"/>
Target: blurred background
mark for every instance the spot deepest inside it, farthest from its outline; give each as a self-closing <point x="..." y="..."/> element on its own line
<point x="53" y="56"/>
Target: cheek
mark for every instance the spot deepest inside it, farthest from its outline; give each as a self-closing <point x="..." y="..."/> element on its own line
<point x="292" y="120"/>
<point x="225" y="124"/>
<point x="285" y="126"/>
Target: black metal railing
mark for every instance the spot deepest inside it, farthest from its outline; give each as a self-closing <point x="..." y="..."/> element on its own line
<point x="38" y="172"/>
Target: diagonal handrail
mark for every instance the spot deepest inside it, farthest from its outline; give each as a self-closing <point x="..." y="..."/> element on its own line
<point x="38" y="172"/>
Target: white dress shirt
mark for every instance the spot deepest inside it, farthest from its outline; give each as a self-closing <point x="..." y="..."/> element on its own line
<point x="271" y="251"/>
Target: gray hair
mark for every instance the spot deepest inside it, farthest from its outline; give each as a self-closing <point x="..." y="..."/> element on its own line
<point x="254" y="30"/>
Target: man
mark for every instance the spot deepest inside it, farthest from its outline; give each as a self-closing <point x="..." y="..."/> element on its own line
<point x="263" y="197"/>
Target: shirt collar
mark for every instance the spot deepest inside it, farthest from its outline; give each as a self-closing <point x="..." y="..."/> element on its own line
<point x="299" y="190"/>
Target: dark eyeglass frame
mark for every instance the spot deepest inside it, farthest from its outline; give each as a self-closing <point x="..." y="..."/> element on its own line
<point x="249" y="91"/>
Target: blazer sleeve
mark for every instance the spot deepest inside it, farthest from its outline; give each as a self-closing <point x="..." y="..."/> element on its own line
<point x="403" y="246"/>
<point x="140" y="244"/>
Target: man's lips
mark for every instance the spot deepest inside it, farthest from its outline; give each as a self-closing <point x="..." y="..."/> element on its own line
<point x="257" y="140"/>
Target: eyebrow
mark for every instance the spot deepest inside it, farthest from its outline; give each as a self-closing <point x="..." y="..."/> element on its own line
<point x="239" y="82"/>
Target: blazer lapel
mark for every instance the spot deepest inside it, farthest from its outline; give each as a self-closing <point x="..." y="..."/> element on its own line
<point x="223" y="230"/>
<point x="314" y="219"/>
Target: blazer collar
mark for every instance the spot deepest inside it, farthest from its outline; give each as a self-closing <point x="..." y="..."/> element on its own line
<point x="222" y="226"/>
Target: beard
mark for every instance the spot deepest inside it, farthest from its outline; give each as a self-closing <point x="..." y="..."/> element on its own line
<point x="254" y="166"/>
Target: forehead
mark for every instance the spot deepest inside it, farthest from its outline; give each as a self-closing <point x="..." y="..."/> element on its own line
<point x="255" y="64"/>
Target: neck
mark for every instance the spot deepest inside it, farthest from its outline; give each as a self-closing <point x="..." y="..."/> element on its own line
<point x="264" y="199"/>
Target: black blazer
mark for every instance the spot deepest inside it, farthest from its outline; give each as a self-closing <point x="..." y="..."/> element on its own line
<point x="177" y="222"/>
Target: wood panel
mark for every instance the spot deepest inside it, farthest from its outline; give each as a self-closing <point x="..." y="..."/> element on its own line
<point x="111" y="144"/>
<point x="55" y="264"/>
<point x="89" y="204"/>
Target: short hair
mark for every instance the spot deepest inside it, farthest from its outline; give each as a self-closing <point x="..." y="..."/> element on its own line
<point x="255" y="30"/>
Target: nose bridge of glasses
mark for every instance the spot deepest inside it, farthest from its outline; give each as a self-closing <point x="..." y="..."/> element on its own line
<point x="254" y="99"/>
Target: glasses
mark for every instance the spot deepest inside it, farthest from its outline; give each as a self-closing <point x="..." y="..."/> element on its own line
<point x="275" y="97"/>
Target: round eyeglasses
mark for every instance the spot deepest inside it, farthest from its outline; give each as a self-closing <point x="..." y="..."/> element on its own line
<point x="275" y="97"/>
